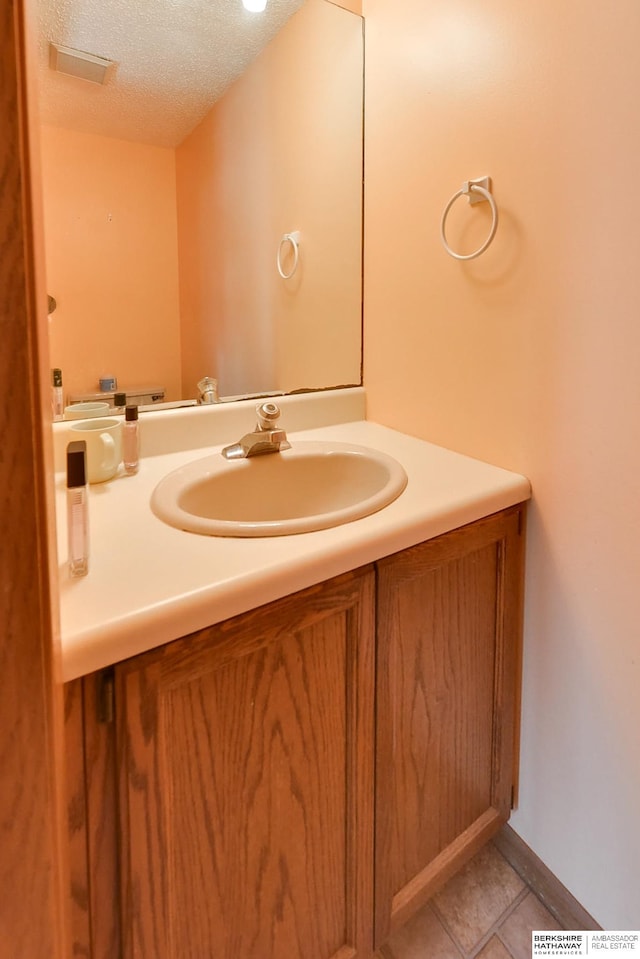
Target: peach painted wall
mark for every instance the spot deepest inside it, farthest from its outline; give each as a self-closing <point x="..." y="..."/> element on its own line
<point x="354" y="5"/>
<point x="111" y="256"/>
<point x="528" y="357"/>
<point x="281" y="151"/>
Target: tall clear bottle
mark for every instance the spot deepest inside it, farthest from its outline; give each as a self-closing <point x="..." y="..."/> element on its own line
<point x="77" y="508"/>
<point x="130" y="441"/>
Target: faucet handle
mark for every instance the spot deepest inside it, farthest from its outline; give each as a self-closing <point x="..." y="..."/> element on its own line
<point x="208" y="388"/>
<point x="267" y="437"/>
<point x="268" y="415"/>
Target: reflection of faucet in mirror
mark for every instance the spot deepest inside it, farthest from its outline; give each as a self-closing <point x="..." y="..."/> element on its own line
<point x="208" y="390"/>
<point x="266" y="438"/>
<point x="160" y="228"/>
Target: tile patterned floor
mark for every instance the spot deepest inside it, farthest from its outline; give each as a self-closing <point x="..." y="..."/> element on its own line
<point x="485" y="912"/>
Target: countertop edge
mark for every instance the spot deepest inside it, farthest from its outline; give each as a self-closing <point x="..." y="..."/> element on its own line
<point x="114" y="641"/>
<point x="150" y="584"/>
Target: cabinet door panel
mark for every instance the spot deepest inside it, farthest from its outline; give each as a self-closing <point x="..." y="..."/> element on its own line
<point x="246" y="800"/>
<point x="448" y="623"/>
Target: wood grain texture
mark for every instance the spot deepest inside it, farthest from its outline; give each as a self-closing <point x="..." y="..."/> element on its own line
<point x="102" y="820"/>
<point x="76" y="804"/>
<point x="93" y="838"/>
<point x="247" y="784"/>
<point x="31" y="888"/>
<point x="448" y="633"/>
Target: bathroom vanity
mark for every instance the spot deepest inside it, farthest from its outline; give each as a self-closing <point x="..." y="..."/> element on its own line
<point x="296" y="778"/>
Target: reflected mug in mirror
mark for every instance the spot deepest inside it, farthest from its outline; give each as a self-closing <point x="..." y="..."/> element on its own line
<point x="82" y="411"/>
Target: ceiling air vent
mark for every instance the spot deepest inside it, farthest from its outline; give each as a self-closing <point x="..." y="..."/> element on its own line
<point x="75" y="63"/>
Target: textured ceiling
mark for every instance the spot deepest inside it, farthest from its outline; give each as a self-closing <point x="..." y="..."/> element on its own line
<point x="174" y="59"/>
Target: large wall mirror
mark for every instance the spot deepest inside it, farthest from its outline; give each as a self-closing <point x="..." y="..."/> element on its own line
<point x="203" y="206"/>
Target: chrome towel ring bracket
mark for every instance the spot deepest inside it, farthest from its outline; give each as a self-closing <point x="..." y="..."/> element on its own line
<point x="291" y="240"/>
<point x="477" y="191"/>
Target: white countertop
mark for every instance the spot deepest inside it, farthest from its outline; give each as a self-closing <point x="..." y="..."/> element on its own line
<point x="149" y="583"/>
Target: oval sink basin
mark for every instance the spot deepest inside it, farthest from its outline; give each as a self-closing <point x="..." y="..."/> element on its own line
<point x="308" y="487"/>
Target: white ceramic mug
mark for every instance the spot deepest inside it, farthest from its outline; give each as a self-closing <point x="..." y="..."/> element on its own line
<point x="82" y="411"/>
<point x="104" y="447"/>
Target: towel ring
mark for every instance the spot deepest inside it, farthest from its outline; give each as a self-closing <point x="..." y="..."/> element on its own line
<point x="471" y="189"/>
<point x="293" y="239"/>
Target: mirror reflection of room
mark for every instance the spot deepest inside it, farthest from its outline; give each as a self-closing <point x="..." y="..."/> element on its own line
<point x="170" y="253"/>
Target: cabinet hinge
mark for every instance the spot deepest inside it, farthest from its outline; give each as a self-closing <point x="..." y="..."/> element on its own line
<point x="105" y="700"/>
<point x="512" y="802"/>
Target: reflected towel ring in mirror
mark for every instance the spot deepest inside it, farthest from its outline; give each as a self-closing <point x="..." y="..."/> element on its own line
<point x="292" y="239"/>
<point x="477" y="191"/>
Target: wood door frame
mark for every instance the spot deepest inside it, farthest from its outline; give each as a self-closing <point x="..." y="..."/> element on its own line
<point x="31" y="870"/>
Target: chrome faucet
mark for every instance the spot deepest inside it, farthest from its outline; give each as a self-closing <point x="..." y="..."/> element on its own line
<point x="208" y="390"/>
<point x="266" y="438"/>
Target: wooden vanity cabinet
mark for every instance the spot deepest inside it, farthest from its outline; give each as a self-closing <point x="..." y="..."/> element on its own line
<point x="245" y="800"/>
<point x="448" y="624"/>
<point x="225" y="807"/>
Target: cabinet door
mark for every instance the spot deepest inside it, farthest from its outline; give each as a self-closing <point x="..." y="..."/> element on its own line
<point x="448" y="640"/>
<point x="246" y="773"/>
